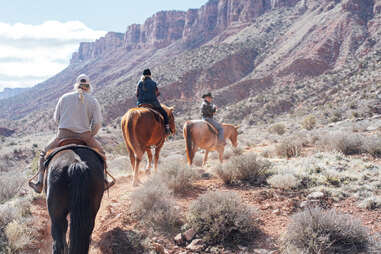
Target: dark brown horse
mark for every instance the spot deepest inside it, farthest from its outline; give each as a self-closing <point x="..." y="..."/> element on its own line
<point x="75" y="186"/>
<point x="143" y="128"/>
<point x="198" y="134"/>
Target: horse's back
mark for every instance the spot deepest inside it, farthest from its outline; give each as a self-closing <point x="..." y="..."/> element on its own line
<point x="200" y="133"/>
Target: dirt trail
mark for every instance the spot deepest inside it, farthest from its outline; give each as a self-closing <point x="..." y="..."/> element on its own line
<point x="274" y="208"/>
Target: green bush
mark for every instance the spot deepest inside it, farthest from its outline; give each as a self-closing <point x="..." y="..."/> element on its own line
<point x="316" y="231"/>
<point x="221" y="217"/>
<point x="243" y="168"/>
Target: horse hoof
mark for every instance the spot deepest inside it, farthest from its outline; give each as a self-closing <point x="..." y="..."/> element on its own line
<point x="148" y="172"/>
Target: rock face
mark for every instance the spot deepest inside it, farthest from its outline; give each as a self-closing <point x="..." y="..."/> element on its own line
<point x="193" y="27"/>
<point x="88" y="50"/>
<point x="237" y="49"/>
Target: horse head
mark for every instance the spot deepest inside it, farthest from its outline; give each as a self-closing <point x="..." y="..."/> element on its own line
<point x="171" y="118"/>
<point x="233" y="135"/>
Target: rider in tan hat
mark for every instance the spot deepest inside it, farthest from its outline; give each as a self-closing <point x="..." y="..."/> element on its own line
<point x="78" y="115"/>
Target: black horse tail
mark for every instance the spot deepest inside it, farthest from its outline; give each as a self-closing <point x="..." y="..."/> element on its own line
<point x="188" y="139"/>
<point x="81" y="224"/>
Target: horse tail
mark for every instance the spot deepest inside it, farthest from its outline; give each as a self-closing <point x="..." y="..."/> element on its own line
<point x="188" y="140"/>
<point x="128" y="127"/>
<point x="81" y="222"/>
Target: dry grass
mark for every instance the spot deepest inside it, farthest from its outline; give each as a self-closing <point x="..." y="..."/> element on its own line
<point x="10" y="184"/>
<point x="309" y="122"/>
<point x="290" y="147"/>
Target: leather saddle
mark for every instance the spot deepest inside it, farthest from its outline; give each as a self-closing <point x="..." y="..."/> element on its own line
<point x="211" y="127"/>
<point x="70" y="144"/>
<point x="158" y="117"/>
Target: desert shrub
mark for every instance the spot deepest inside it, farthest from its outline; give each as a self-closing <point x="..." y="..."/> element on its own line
<point x="372" y="145"/>
<point x="10" y="184"/>
<point x="370" y="203"/>
<point x="290" y="147"/>
<point x="221" y="217"/>
<point x="18" y="235"/>
<point x="347" y="143"/>
<point x="336" y="116"/>
<point x="309" y="122"/>
<point x="13" y="229"/>
<point x="176" y="175"/>
<point x="316" y="231"/>
<point x="243" y="168"/>
<point x="283" y="181"/>
<point x="153" y="204"/>
<point x="278" y="128"/>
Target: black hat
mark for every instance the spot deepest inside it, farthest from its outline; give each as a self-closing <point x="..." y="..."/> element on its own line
<point x="147" y="72"/>
<point x="207" y="95"/>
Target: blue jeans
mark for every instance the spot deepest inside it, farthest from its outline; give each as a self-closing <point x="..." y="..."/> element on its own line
<point x="218" y="126"/>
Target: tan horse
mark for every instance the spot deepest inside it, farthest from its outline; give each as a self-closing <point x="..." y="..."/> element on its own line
<point x="198" y="134"/>
<point x="142" y="128"/>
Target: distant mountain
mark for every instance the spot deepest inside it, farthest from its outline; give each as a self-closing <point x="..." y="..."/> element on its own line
<point x="258" y="57"/>
<point x="9" y="92"/>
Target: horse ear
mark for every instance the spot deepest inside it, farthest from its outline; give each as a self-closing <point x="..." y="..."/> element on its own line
<point x="237" y="127"/>
<point x="172" y="108"/>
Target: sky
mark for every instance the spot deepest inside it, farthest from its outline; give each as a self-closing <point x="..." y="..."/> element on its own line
<point x="37" y="38"/>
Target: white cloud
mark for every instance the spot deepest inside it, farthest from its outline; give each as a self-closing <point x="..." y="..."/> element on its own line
<point x="38" y="51"/>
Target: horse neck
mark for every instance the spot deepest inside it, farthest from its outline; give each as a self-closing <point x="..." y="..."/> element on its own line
<point x="228" y="130"/>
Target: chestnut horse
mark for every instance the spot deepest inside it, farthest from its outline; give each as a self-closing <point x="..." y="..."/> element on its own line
<point x="198" y="134"/>
<point x="143" y="128"/>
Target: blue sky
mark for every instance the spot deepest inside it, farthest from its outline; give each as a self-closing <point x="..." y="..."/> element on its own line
<point x="38" y="37"/>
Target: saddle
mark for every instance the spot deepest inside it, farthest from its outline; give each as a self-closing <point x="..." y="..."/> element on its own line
<point x="158" y="117"/>
<point x="71" y="144"/>
<point x="211" y="128"/>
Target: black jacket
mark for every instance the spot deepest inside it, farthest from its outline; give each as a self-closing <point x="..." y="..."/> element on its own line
<point x="207" y="109"/>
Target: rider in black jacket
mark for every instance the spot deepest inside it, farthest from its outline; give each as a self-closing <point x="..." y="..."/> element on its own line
<point x="208" y="109"/>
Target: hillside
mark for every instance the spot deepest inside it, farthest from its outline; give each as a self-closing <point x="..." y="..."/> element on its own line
<point x="267" y="58"/>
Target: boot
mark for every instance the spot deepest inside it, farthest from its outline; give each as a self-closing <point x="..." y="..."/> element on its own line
<point x="38" y="186"/>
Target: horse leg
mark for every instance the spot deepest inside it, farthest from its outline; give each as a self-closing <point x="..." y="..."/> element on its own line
<point x="205" y="158"/>
<point x="132" y="157"/>
<point x="157" y="153"/>
<point x="220" y="151"/>
<point x="57" y="207"/>
<point x="193" y="153"/>
<point x="136" y="181"/>
<point x="149" y="162"/>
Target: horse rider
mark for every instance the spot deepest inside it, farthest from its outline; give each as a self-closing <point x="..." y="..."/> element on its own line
<point x="208" y="109"/>
<point x="147" y="93"/>
<point x="78" y="115"/>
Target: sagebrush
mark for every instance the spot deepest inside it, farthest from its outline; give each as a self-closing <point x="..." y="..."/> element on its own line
<point x="222" y="217"/>
<point x="243" y="168"/>
<point x="153" y="204"/>
<point x="316" y="231"/>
